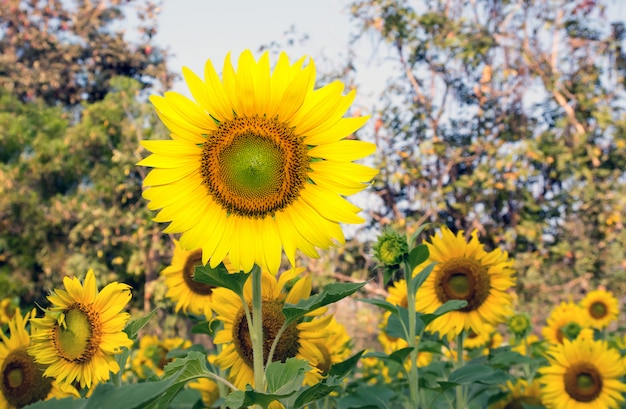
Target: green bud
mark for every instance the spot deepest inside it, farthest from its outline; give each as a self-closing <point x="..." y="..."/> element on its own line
<point x="519" y="325"/>
<point x="391" y="248"/>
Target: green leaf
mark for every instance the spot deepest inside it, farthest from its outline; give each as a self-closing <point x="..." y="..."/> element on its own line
<point x="206" y="327"/>
<point x="398" y="325"/>
<point x="376" y="396"/>
<point x="478" y="373"/>
<point x="312" y="394"/>
<point x="220" y="277"/>
<point x="127" y="396"/>
<point x="417" y="280"/>
<point x="331" y="293"/>
<point x="66" y="403"/>
<point x="418" y="255"/>
<point x="287" y="377"/>
<point x="249" y="397"/>
<point x="450" y="305"/>
<point x="400" y="355"/>
<point x="133" y="327"/>
<point x="417" y="232"/>
<point x="380" y="303"/>
<point x="342" y="369"/>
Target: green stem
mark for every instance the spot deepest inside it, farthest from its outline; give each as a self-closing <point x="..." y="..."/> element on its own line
<point x="460" y="390"/>
<point x="256" y="335"/>
<point x="413" y="340"/>
<point x="279" y="334"/>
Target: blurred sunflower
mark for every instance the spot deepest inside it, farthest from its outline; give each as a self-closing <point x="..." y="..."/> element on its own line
<point x="465" y="271"/>
<point x="335" y="346"/>
<point x="519" y="395"/>
<point x="189" y="295"/>
<point x="296" y="341"/>
<point x="7" y="310"/>
<point x="82" y="332"/>
<point x="208" y="389"/>
<point x="582" y="373"/>
<point x="601" y="308"/>
<point x="151" y="357"/>
<point x="475" y="340"/>
<point x="22" y="381"/>
<point x="565" y="321"/>
<point x="257" y="163"/>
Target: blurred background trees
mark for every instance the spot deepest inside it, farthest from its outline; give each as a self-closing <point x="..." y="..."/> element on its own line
<point x="503" y="116"/>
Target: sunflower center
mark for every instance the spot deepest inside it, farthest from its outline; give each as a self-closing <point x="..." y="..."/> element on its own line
<point x="77" y="338"/>
<point x="23" y="382"/>
<point x="569" y="331"/>
<point x="583" y="382"/>
<point x="254" y="167"/>
<point x="463" y="278"/>
<point x="598" y="310"/>
<point x="273" y="319"/>
<point x="195" y="259"/>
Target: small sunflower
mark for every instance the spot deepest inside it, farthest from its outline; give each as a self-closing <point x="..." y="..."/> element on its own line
<point x="22" y="381"/>
<point x="519" y="394"/>
<point x="257" y="163"/>
<point x="151" y="357"/>
<point x="189" y="295"/>
<point x="583" y="373"/>
<point x="565" y="321"/>
<point x="297" y="341"/>
<point x="334" y="346"/>
<point x="80" y="334"/>
<point x="601" y="308"/>
<point x="475" y="340"/>
<point x="465" y="271"/>
<point x="7" y="310"/>
<point x="208" y="389"/>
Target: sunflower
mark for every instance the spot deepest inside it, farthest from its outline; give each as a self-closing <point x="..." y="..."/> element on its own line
<point x="151" y="357"/>
<point x="519" y="394"/>
<point x="298" y="340"/>
<point x="22" y="380"/>
<point x="208" y="389"/>
<point x="7" y="310"/>
<point x="475" y="340"/>
<point x="334" y="346"/>
<point x="583" y="373"/>
<point x="601" y="308"/>
<point x="257" y="163"/>
<point x="79" y="336"/>
<point x="566" y="320"/>
<point x="465" y="271"/>
<point x="189" y="295"/>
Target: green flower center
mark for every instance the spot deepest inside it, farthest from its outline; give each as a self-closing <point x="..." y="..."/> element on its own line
<point x="273" y="319"/>
<point x="583" y="382"/>
<point x="598" y="310"/>
<point x="254" y="167"/>
<point x="462" y="278"/>
<point x="78" y="333"/>
<point x="195" y="259"/>
<point x="23" y="382"/>
<point x="570" y="331"/>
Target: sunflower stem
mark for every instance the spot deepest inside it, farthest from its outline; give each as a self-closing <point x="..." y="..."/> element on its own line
<point x="279" y="334"/>
<point x="412" y="338"/>
<point x="256" y="335"/>
<point x="460" y="390"/>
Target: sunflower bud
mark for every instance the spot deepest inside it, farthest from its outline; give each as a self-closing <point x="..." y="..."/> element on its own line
<point x="391" y="248"/>
<point x="519" y="325"/>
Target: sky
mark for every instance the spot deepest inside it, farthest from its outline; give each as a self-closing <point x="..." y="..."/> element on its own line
<point x="195" y="31"/>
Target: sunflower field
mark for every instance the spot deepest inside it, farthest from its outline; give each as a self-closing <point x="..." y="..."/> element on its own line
<point x="269" y="241"/>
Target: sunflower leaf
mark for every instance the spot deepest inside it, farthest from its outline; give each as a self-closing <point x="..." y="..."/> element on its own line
<point x="478" y="373"/>
<point x="417" y="232"/>
<point x="341" y="369"/>
<point x="331" y="293"/>
<point x="419" y="278"/>
<point x="286" y="377"/>
<point x="220" y="277"/>
<point x="418" y="255"/>
<point x="249" y="397"/>
<point x="380" y="303"/>
<point x="378" y="396"/>
<point x="450" y="305"/>
<point x="133" y="327"/>
<point x="311" y="394"/>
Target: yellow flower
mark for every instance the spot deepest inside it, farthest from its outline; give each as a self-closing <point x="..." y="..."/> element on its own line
<point x="334" y="345"/>
<point x="80" y="334"/>
<point x="151" y="357"/>
<point x="208" y="389"/>
<point x="565" y="321"/>
<point x="475" y="340"/>
<point x="582" y="374"/>
<point x="525" y="345"/>
<point x="298" y="340"/>
<point x="7" y="310"/>
<point x="601" y="308"/>
<point x="189" y="296"/>
<point x="519" y="394"/>
<point x="22" y="381"/>
<point x="257" y="163"/>
<point x="465" y="271"/>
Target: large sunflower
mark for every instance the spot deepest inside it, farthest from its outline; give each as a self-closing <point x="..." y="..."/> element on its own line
<point x="296" y="341"/>
<point x="583" y="374"/>
<point x="519" y="395"/>
<point x="21" y="379"/>
<point x="565" y="321"/>
<point x="465" y="271"/>
<point x="601" y="308"/>
<point x="80" y="334"/>
<point x="189" y="295"/>
<point x="257" y="163"/>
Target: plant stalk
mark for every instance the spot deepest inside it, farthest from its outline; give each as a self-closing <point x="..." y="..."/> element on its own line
<point x="413" y="340"/>
<point x="256" y="335"/>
